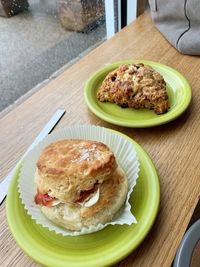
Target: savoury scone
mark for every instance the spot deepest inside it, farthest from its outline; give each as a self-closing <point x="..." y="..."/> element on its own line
<point x="135" y="86"/>
<point x="79" y="183"/>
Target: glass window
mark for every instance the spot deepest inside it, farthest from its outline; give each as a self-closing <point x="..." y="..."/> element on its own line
<point x="46" y="36"/>
<point x="40" y="37"/>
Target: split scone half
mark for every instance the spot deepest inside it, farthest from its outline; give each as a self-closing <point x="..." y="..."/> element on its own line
<point x="79" y="183"/>
<point x="135" y="86"/>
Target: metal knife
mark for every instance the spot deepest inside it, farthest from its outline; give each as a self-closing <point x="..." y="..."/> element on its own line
<point x="45" y="131"/>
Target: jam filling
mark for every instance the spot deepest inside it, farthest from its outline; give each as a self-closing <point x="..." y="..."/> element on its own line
<point x="44" y="199"/>
<point x="85" y="194"/>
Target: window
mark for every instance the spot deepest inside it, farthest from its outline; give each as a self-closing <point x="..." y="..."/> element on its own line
<point x="38" y="38"/>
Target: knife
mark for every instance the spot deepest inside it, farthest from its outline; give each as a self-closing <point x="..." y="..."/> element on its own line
<point x="45" y="131"/>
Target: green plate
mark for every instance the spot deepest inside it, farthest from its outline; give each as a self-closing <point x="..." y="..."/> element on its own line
<point x="102" y="248"/>
<point x="178" y="89"/>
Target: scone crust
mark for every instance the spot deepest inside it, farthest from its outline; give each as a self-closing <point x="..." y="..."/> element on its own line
<point x="135" y="86"/>
<point x="113" y="193"/>
<point x="67" y="167"/>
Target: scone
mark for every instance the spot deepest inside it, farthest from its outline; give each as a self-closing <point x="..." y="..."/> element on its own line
<point x="135" y="86"/>
<point x="79" y="183"/>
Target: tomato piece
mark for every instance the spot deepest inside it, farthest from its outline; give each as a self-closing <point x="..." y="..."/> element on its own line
<point x="44" y="199"/>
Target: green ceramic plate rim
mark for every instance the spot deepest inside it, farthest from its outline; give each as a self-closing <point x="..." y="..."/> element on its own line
<point x="161" y="119"/>
<point x="124" y="251"/>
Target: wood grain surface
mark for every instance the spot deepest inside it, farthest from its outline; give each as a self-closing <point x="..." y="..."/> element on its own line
<point x="173" y="147"/>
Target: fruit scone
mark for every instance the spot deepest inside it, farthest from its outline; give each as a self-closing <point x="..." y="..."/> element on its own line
<point x="135" y="86"/>
<point x="79" y="183"/>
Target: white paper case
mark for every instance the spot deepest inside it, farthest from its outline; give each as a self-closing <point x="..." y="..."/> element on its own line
<point x="126" y="157"/>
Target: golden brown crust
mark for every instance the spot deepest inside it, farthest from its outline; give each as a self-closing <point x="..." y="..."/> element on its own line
<point x="67" y="167"/>
<point x="135" y="86"/>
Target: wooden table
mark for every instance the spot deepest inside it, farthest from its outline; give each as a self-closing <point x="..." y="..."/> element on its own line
<point x="173" y="147"/>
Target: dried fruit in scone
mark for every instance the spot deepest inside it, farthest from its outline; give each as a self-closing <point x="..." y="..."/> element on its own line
<point x="79" y="183"/>
<point x="135" y="86"/>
